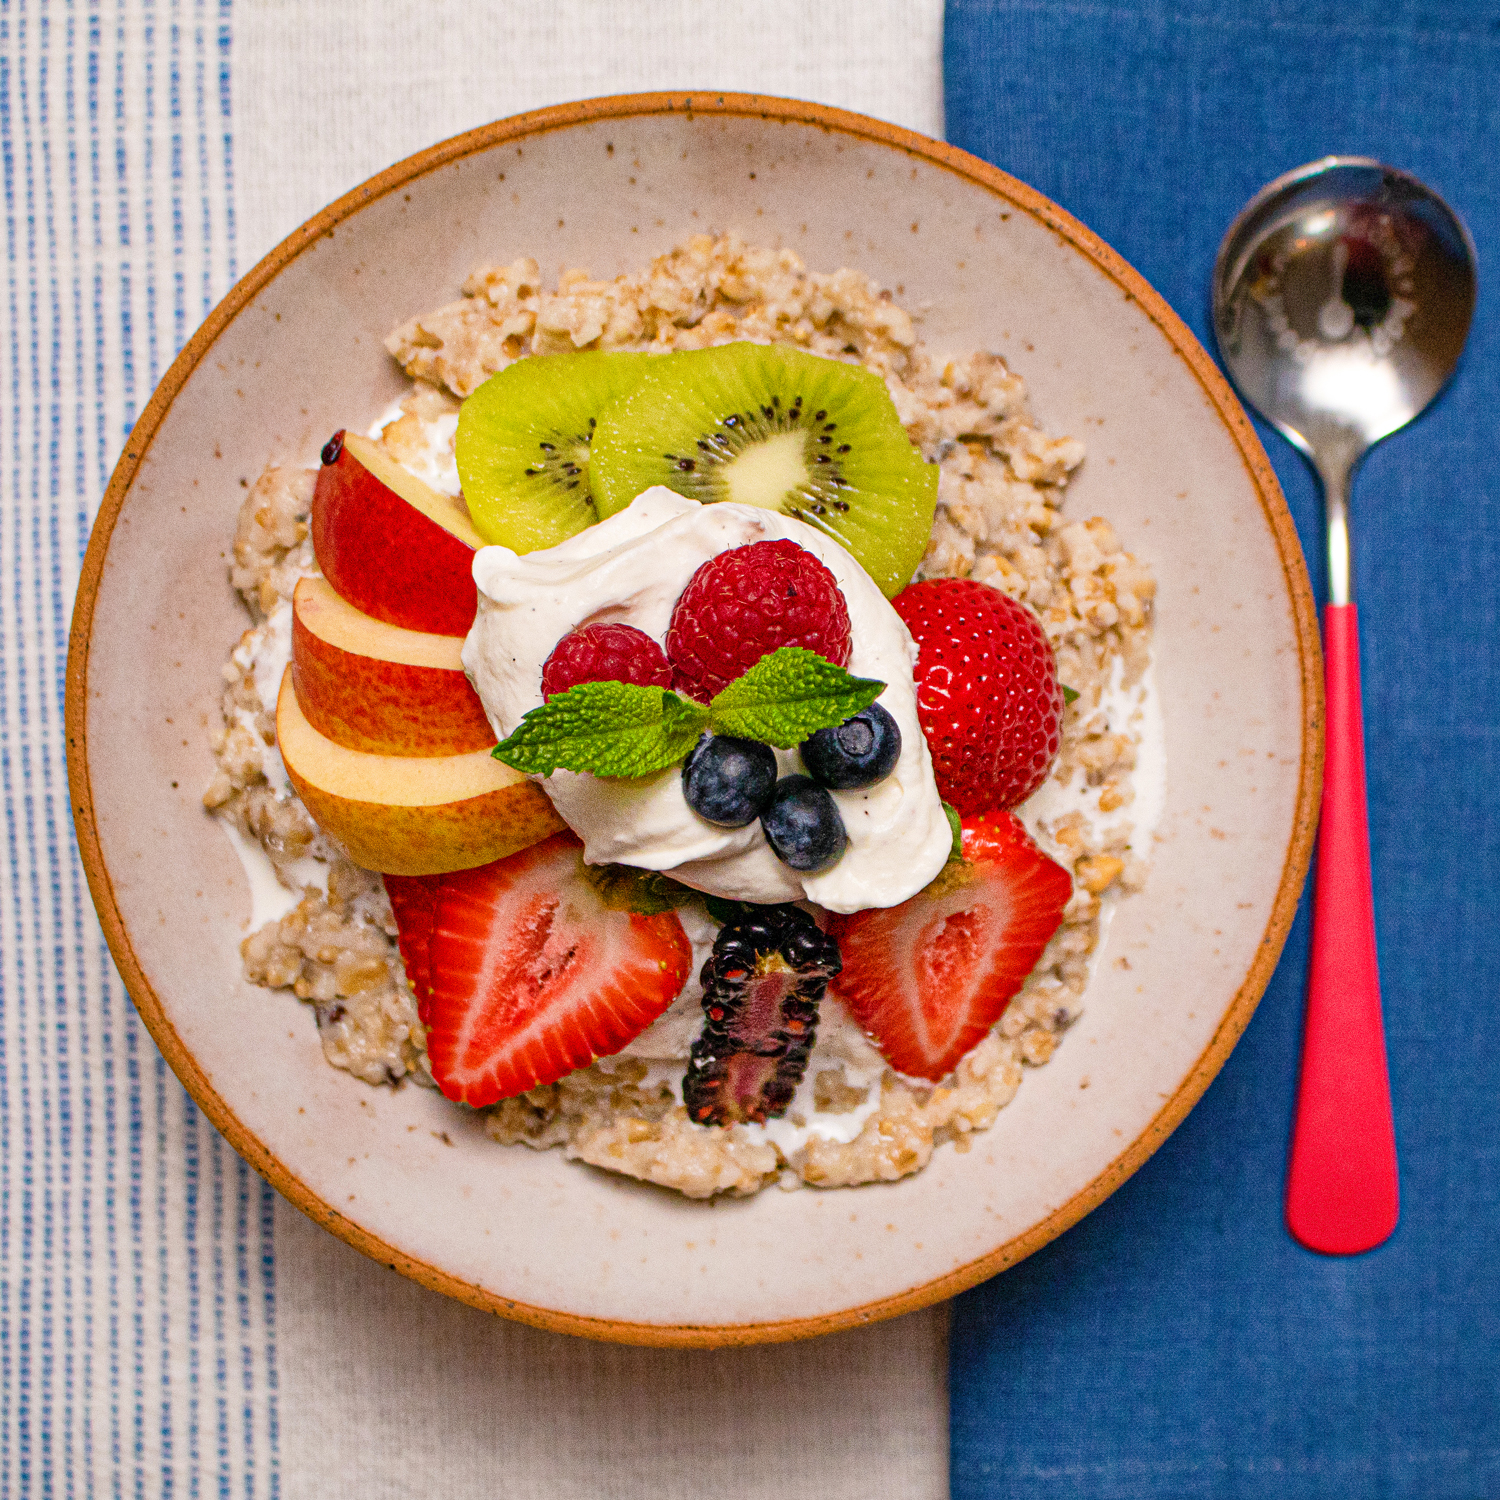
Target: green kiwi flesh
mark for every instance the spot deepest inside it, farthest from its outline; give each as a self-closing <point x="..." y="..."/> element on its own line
<point x="773" y="426"/>
<point x="523" y="444"/>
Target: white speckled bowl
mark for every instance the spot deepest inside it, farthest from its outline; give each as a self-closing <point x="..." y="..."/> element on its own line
<point x="295" y="352"/>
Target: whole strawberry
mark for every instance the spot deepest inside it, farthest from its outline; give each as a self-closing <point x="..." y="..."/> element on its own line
<point x="988" y="698"/>
<point x="747" y="602"/>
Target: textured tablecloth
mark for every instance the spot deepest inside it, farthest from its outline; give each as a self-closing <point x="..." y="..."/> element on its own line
<point x="1177" y="1342"/>
<point x="167" y="1324"/>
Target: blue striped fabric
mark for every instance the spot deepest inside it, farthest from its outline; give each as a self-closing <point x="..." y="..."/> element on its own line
<point x="137" y="1275"/>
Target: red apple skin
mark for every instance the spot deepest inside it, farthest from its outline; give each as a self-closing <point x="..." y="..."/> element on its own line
<point x="398" y="840"/>
<point x="366" y="701"/>
<point x="384" y="556"/>
<point x="405" y="814"/>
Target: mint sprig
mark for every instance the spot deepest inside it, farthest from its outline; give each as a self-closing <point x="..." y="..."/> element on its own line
<point x="724" y="911"/>
<point x="649" y="892"/>
<point x="788" y="695"/>
<point x="620" y="729"/>
<point x="609" y="728"/>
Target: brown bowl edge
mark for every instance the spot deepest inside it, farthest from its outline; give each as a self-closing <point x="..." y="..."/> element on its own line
<point x="1273" y="505"/>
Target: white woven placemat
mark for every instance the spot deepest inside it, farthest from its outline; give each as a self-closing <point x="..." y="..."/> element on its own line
<point x="167" y="1324"/>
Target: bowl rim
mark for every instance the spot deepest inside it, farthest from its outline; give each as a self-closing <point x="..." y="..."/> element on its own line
<point x="937" y="154"/>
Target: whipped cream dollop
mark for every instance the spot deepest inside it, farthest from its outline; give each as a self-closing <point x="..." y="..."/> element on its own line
<point x="630" y="569"/>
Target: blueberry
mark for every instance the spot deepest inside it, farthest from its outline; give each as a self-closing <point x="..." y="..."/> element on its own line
<point x="802" y="824"/>
<point x="858" y="752"/>
<point x="728" y="781"/>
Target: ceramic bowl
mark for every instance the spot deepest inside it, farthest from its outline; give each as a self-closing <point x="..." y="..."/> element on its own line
<point x="295" y="352"/>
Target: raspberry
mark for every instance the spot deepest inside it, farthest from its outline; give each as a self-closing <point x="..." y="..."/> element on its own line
<point x="750" y="601"/>
<point x="605" y="653"/>
<point x="987" y="692"/>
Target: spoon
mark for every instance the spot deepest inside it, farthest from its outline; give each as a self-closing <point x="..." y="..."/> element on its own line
<point x="1342" y="296"/>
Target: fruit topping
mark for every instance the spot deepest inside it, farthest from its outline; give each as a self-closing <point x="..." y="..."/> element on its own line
<point x="605" y="653"/>
<point x="413" y="900"/>
<point x="523" y="444"/>
<point x="392" y="546"/>
<point x="728" y="781"/>
<point x="621" y="729"/>
<point x="534" y="974"/>
<point x="802" y="824"/>
<point x="988" y="697"/>
<point x="761" y="988"/>
<point x="857" y="753"/>
<point x="744" y="604"/>
<point x="409" y="814"/>
<point x="788" y="431"/>
<point x="376" y="687"/>
<point x="930" y="977"/>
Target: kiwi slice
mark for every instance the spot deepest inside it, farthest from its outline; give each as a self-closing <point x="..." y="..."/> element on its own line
<point x="768" y="425"/>
<point x="523" y="444"/>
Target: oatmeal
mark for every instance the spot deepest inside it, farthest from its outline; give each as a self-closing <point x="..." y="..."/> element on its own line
<point x="999" y="521"/>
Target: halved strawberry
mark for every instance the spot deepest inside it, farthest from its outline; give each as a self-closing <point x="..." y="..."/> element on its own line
<point x="930" y="977"/>
<point x="533" y="975"/>
<point x="413" y="898"/>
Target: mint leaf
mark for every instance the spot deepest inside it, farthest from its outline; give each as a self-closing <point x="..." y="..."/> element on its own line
<point x="724" y="911"/>
<point x="625" y="888"/>
<point x="619" y="729"/>
<point x="789" y="694"/>
<point x="1069" y="696"/>
<point x="608" y="728"/>
<point x="951" y="813"/>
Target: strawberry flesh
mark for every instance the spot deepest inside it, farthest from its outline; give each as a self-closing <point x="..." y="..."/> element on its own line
<point x="930" y="977"/>
<point x="413" y="898"/>
<point x="532" y="975"/>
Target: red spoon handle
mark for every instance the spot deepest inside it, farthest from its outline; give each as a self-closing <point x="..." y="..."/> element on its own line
<point x="1342" y="1194"/>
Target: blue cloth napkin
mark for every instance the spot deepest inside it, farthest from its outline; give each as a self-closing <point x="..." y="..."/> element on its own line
<point x="1178" y="1342"/>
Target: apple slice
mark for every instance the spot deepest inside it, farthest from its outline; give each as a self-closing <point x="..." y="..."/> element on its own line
<point x="392" y="546"/>
<point x="410" y="814"/>
<point x="375" y="687"/>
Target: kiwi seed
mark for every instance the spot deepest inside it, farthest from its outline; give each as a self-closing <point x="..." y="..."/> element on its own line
<point x="523" y="444"/>
<point x="763" y="424"/>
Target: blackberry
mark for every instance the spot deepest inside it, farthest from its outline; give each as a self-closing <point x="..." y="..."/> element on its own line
<point x="761" y="988"/>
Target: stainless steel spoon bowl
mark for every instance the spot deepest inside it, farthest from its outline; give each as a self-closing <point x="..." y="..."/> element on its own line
<point x="1342" y="297"/>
